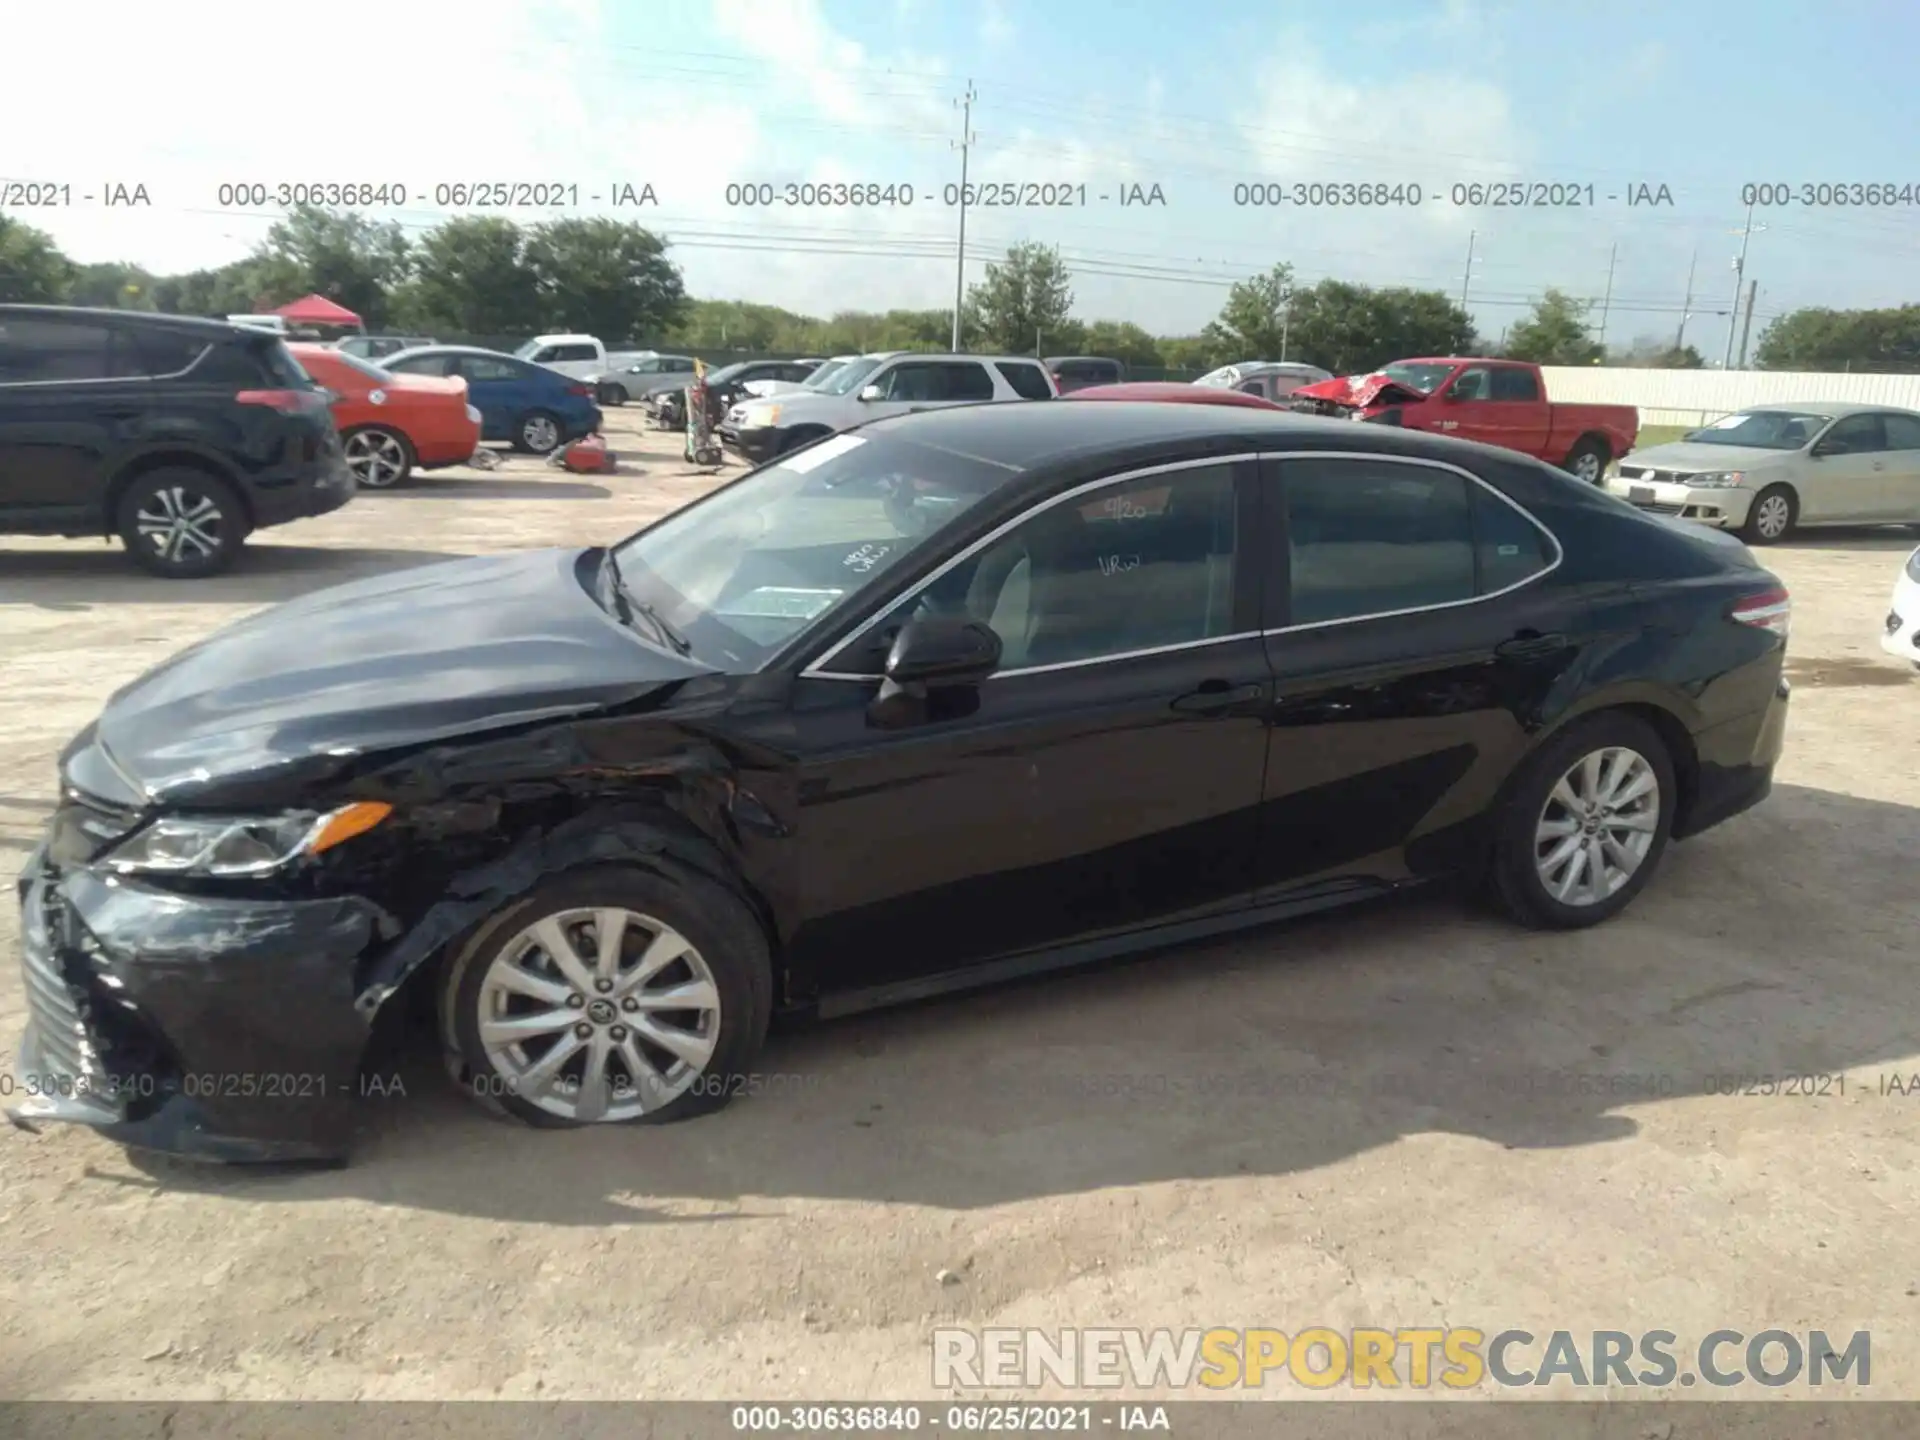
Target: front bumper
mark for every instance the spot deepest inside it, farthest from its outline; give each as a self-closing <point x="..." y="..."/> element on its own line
<point x="1902" y="631"/>
<point x="1725" y="508"/>
<point x="758" y="445"/>
<point x="217" y="1029"/>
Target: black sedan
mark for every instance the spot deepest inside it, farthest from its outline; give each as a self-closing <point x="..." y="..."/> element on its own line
<point x="959" y="696"/>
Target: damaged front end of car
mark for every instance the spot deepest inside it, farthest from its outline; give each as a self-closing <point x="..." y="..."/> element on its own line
<point x="1375" y="399"/>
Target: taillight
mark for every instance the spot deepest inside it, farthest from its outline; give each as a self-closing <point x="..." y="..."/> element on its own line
<point x="1769" y="610"/>
<point x="287" y="402"/>
<point x="586" y="390"/>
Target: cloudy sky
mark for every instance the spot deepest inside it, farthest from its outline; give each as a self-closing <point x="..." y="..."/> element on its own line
<point x="1694" y="95"/>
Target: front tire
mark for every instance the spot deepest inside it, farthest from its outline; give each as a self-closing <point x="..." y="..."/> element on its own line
<point x="1584" y="829"/>
<point x="1772" y="517"/>
<point x="182" y="524"/>
<point x="380" y="459"/>
<point x="537" y="432"/>
<point x="607" y="996"/>
<point x="1587" y="461"/>
<point x="614" y="395"/>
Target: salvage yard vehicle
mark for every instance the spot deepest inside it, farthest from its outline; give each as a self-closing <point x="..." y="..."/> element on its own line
<point x="1767" y="471"/>
<point x="1268" y="379"/>
<point x="1901" y="635"/>
<point x="891" y="383"/>
<point x="639" y="378"/>
<point x="536" y="408"/>
<point x="378" y="347"/>
<point x="814" y="380"/>
<point x="1171" y="392"/>
<point x="961" y="696"/>
<point x="390" y="424"/>
<point x="1497" y="402"/>
<point x="725" y="387"/>
<point x="581" y="356"/>
<point x="180" y="436"/>
<point x="1077" y="372"/>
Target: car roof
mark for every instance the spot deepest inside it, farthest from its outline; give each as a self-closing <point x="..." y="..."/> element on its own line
<point x="1834" y="408"/>
<point x="1179" y="392"/>
<point x="1046" y="434"/>
<point x="193" y="324"/>
<point x="1067" y="359"/>
<point x="563" y="339"/>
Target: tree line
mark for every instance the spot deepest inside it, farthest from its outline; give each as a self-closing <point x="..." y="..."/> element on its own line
<point x="489" y="276"/>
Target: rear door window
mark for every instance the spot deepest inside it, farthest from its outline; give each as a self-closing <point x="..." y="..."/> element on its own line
<point x="36" y="351"/>
<point x="1373" y="537"/>
<point x="142" y="351"/>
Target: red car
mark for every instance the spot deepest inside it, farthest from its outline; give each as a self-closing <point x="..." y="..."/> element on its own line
<point x="391" y="424"/>
<point x="1172" y="392"/>
<point x="1497" y="402"/>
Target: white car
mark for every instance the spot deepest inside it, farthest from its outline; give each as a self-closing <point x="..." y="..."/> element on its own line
<point x="1902" y="637"/>
<point x="582" y="357"/>
<point x="1269" y="379"/>
<point x="875" y="386"/>
<point x="1765" y="471"/>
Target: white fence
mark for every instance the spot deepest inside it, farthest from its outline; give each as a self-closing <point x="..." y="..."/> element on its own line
<point x="1693" y="397"/>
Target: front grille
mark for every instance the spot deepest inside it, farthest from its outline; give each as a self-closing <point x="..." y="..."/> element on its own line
<point x="54" y="1010"/>
<point x="1653" y="477"/>
<point x="1653" y="507"/>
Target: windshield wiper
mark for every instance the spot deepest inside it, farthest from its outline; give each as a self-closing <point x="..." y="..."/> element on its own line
<point x="620" y="600"/>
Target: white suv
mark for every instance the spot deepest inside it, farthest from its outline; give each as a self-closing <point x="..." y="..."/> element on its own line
<point x="874" y="386"/>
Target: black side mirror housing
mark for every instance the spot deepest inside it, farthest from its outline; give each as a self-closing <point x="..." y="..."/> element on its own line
<point x="1827" y="447"/>
<point x="934" y="664"/>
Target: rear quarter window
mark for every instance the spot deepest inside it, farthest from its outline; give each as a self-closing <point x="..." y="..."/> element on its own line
<point x="1028" y="381"/>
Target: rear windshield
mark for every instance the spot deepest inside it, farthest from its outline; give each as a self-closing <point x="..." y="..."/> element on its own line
<point x="366" y="367"/>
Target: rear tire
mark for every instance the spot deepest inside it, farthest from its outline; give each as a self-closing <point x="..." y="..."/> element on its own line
<point x="1587" y="461"/>
<point x="380" y="458"/>
<point x="721" y="949"/>
<point x="614" y="395"/>
<point x="1597" y="799"/>
<point x="182" y="524"/>
<point x="537" y="432"/>
<point x="1772" y="516"/>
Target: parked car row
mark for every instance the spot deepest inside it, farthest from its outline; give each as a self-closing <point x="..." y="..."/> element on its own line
<point x="727" y="385"/>
<point x="956" y="695"/>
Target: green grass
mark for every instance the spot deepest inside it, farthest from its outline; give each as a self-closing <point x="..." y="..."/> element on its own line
<point x="1652" y="435"/>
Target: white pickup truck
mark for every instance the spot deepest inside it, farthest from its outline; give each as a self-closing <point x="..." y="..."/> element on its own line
<point x="581" y="356"/>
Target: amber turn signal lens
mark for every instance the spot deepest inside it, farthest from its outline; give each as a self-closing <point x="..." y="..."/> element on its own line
<point x="347" y="822"/>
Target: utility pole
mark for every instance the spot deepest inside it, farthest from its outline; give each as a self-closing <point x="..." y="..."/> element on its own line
<point x="1739" y="279"/>
<point x="1607" y="304"/>
<point x="1686" y="306"/>
<point x="1467" y="278"/>
<point x="964" y="144"/>
<point x="1753" y="293"/>
<point x="1286" y="323"/>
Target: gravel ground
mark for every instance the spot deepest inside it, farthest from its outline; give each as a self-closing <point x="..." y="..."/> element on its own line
<point x="1329" y="1148"/>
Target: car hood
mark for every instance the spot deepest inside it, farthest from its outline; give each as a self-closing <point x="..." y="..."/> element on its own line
<point x="300" y="690"/>
<point x="1361" y="392"/>
<point x="1689" y="458"/>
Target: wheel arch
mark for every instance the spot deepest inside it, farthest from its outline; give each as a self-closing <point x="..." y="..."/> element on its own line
<point x="1646" y="703"/>
<point x="168" y="458"/>
<point x="636" y="833"/>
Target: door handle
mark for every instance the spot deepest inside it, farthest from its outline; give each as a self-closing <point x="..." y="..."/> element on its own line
<point x="1216" y="695"/>
<point x="1531" y="645"/>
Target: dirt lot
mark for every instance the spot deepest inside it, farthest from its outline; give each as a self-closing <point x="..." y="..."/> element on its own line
<point x="1380" y="1118"/>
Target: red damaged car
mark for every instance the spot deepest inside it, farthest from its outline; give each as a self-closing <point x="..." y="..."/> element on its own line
<point x="1497" y="402"/>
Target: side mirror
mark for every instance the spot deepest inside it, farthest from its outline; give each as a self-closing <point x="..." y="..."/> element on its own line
<point x="872" y="392"/>
<point x="935" y="665"/>
<point x="1823" y="448"/>
<point x="1452" y="397"/>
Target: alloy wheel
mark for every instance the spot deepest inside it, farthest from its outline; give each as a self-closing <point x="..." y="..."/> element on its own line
<point x="180" y="524"/>
<point x="376" y="458"/>
<point x="540" y="433"/>
<point x="1587" y="467"/>
<point x="1597" y="826"/>
<point x="599" y="1015"/>
<point x="1771" y="516"/>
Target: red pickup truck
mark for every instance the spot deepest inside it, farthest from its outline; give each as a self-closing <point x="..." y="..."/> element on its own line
<point x="1497" y="402"/>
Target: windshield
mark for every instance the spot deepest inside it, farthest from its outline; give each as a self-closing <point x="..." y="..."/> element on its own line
<point x="819" y="378"/>
<point x="526" y="351"/>
<point x="743" y="571"/>
<point x="725" y="373"/>
<point x="849" y="379"/>
<point x="1762" y="429"/>
<point x="1423" y="378"/>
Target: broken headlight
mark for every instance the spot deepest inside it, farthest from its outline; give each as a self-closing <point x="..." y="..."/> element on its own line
<point x="232" y="845"/>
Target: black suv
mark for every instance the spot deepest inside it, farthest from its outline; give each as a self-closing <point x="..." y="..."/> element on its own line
<point x="181" y="436"/>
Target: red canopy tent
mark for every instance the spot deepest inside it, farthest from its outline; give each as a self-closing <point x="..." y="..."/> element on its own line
<point x="318" y="310"/>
